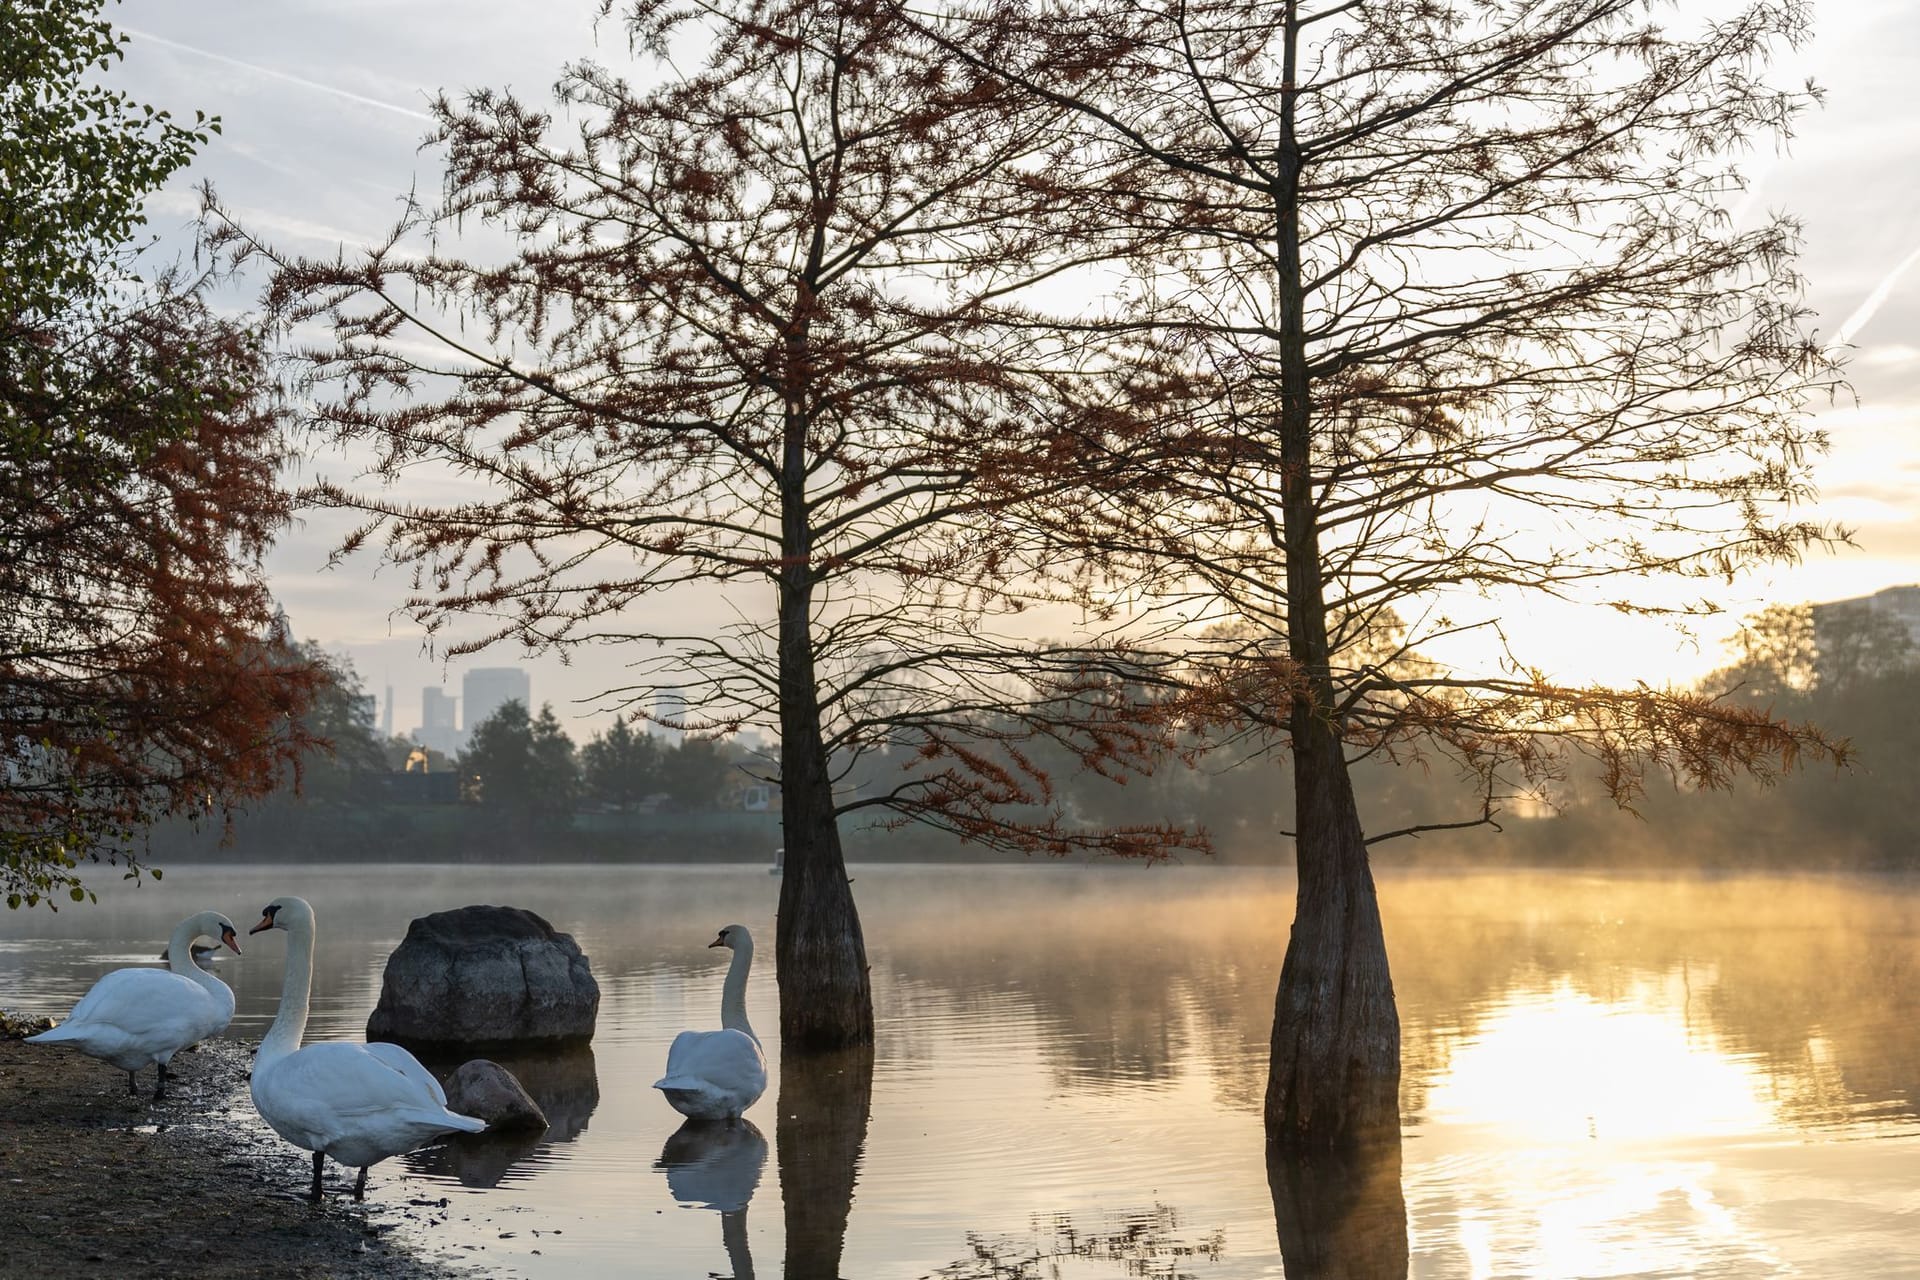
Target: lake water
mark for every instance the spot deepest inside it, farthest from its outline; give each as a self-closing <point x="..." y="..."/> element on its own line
<point x="1604" y="1076"/>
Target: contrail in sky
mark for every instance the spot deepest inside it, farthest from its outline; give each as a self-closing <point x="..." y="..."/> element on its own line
<point x="349" y="95"/>
<point x="1881" y="292"/>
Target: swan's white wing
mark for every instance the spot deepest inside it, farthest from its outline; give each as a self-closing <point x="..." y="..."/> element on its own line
<point x="327" y="1094"/>
<point x="133" y="1013"/>
<point x="722" y="1063"/>
<point x="408" y="1065"/>
<point x="138" y="997"/>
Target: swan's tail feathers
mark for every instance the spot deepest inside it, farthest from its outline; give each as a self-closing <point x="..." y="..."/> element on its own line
<point x="689" y="1084"/>
<point x="466" y="1124"/>
<point x="65" y="1031"/>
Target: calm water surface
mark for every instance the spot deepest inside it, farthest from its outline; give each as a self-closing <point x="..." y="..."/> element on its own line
<point x="1604" y="1076"/>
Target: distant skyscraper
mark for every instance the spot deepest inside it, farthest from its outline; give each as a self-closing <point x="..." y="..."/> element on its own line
<point x="386" y="716"/>
<point x="669" y="704"/>
<point x="487" y="689"/>
<point x="438" y="721"/>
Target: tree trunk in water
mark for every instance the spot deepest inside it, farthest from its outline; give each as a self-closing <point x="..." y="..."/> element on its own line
<point x="1334" y="1077"/>
<point x="820" y="958"/>
<point x="822" y="1126"/>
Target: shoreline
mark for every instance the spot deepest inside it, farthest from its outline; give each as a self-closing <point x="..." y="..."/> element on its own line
<point x="94" y="1181"/>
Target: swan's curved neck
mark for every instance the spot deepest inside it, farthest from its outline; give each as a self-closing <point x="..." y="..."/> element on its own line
<point x="180" y="955"/>
<point x="290" y="1024"/>
<point x="733" y="996"/>
<point x="180" y="949"/>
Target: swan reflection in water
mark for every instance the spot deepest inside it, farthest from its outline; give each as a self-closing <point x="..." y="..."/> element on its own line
<point x="716" y="1164"/>
<point x="820" y="1130"/>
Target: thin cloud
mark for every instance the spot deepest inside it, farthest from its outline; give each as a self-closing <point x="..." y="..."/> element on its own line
<point x="271" y="74"/>
<point x="1881" y="292"/>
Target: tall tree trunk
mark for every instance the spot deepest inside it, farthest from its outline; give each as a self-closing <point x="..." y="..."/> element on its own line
<point x="818" y="1136"/>
<point x="820" y="959"/>
<point x="1334" y="1075"/>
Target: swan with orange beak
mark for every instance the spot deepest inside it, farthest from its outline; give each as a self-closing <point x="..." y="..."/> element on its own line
<point x="359" y="1103"/>
<point x="133" y="1017"/>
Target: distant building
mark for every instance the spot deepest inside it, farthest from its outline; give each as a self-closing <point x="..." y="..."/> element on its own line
<point x="1901" y="603"/>
<point x="669" y="705"/>
<point x="439" y="723"/>
<point x="487" y="689"/>
<point x="1861" y="636"/>
<point x="386" y="716"/>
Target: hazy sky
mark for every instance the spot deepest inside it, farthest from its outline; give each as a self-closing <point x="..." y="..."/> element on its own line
<point x="324" y="104"/>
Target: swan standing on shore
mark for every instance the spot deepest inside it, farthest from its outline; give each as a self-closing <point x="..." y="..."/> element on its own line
<point x="716" y="1075"/>
<point x="132" y="1017"/>
<point x="358" y="1103"/>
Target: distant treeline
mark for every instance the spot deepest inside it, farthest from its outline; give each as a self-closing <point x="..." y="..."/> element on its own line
<point x="1849" y="668"/>
<point x="523" y="791"/>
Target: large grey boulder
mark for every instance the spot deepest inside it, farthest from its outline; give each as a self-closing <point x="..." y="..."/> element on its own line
<point x="485" y="976"/>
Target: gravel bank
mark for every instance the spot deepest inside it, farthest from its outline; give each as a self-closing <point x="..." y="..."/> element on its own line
<point x="96" y="1183"/>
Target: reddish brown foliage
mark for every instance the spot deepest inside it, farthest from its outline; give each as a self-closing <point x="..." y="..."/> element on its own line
<point x="139" y="674"/>
<point x="760" y="327"/>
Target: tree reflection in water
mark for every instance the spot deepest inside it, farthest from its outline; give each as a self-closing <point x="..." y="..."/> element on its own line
<point x="823" y="1106"/>
<point x="1145" y="1243"/>
<point x="1340" y="1217"/>
<point x="716" y="1164"/>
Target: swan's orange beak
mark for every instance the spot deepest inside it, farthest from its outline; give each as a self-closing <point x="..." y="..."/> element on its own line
<point x="231" y="939"/>
<point x="266" y="922"/>
<point x="717" y="942"/>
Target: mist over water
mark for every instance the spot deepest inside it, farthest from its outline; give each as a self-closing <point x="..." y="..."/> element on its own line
<point x="1604" y="1075"/>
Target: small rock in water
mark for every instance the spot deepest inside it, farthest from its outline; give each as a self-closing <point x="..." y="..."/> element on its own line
<point x="489" y="1091"/>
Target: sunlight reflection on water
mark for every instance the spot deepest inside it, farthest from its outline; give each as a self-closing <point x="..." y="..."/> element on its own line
<point x="1603" y="1077"/>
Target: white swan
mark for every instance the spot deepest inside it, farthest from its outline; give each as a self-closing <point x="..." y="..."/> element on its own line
<point x="132" y="1017"/>
<point x="358" y="1103"/>
<point x="715" y="1075"/>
